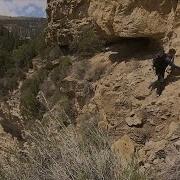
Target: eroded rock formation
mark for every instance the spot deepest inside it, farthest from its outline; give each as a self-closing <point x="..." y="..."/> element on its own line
<point x="116" y="85"/>
<point x="122" y="97"/>
<point x="127" y="18"/>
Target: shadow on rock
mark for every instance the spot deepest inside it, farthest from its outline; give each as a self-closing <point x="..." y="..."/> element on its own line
<point x="126" y="49"/>
<point x="173" y="76"/>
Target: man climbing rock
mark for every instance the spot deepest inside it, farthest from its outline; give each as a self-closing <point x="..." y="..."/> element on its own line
<point x="161" y="62"/>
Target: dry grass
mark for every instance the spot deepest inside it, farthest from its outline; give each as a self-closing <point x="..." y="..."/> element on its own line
<point x="55" y="153"/>
<point x="80" y="68"/>
<point x="86" y="43"/>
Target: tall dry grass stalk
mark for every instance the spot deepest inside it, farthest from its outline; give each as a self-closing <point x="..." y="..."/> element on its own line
<point x="55" y="152"/>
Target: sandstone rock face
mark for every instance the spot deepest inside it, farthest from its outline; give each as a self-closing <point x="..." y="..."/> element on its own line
<point x="124" y="147"/>
<point x="126" y="18"/>
<point x="128" y="108"/>
<point x="123" y="96"/>
<point x="176" y="31"/>
<point x="133" y="18"/>
<point x="66" y="18"/>
<point x="134" y="120"/>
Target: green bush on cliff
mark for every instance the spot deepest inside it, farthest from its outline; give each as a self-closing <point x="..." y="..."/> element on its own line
<point x="30" y="105"/>
<point x="41" y="47"/>
<point x="6" y="62"/>
<point x="8" y="40"/>
<point x="87" y="43"/>
<point x="24" y="54"/>
<point x="15" y="59"/>
<point x="61" y="71"/>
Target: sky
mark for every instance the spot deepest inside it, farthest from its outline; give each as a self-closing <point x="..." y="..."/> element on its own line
<point x="35" y="8"/>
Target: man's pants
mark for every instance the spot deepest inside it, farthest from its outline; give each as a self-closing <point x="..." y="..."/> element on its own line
<point x="161" y="76"/>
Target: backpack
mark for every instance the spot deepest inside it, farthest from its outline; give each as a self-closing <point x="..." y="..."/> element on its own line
<point x="159" y="63"/>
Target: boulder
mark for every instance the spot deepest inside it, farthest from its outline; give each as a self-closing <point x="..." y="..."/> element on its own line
<point x="134" y="121"/>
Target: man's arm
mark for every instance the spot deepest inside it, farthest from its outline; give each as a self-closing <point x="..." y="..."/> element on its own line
<point x="171" y="63"/>
<point x="174" y="66"/>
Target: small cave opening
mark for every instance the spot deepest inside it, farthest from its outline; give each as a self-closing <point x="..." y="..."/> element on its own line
<point x="139" y="48"/>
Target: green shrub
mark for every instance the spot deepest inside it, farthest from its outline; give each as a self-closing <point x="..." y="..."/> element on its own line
<point x="7" y="85"/>
<point x="8" y="40"/>
<point x="10" y="83"/>
<point x="87" y="43"/>
<point x="60" y="72"/>
<point x="45" y="51"/>
<point x="16" y="58"/>
<point x="41" y="46"/>
<point x="30" y="106"/>
<point x="24" y="54"/>
<point x="6" y="62"/>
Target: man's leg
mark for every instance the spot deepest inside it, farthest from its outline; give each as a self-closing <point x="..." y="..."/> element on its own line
<point x="161" y="77"/>
<point x="161" y="83"/>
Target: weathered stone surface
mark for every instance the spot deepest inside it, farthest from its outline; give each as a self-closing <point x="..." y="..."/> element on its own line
<point x="123" y="85"/>
<point x="133" y="18"/>
<point x="125" y="148"/>
<point x="134" y="120"/>
<point x="103" y="125"/>
<point x="66" y="19"/>
<point x="176" y="30"/>
<point x="127" y="18"/>
<point x="173" y="128"/>
<point x="152" y="151"/>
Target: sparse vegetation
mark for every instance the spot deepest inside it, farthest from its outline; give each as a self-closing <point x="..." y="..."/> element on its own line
<point x="41" y="46"/>
<point x="15" y="59"/>
<point x="94" y="73"/>
<point x="30" y="106"/>
<point x="8" y="41"/>
<point x="60" y="72"/>
<point x="55" y="148"/>
<point x="87" y="43"/>
<point x="80" y="68"/>
<point x="24" y="54"/>
<point x="53" y="152"/>
<point x="84" y="70"/>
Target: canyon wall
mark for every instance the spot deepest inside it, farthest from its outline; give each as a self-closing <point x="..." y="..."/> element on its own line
<point x="24" y="27"/>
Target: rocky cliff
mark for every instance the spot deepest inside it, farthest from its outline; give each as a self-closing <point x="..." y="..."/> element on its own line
<point x="113" y="19"/>
<point x="124" y="96"/>
<point x="117" y="86"/>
